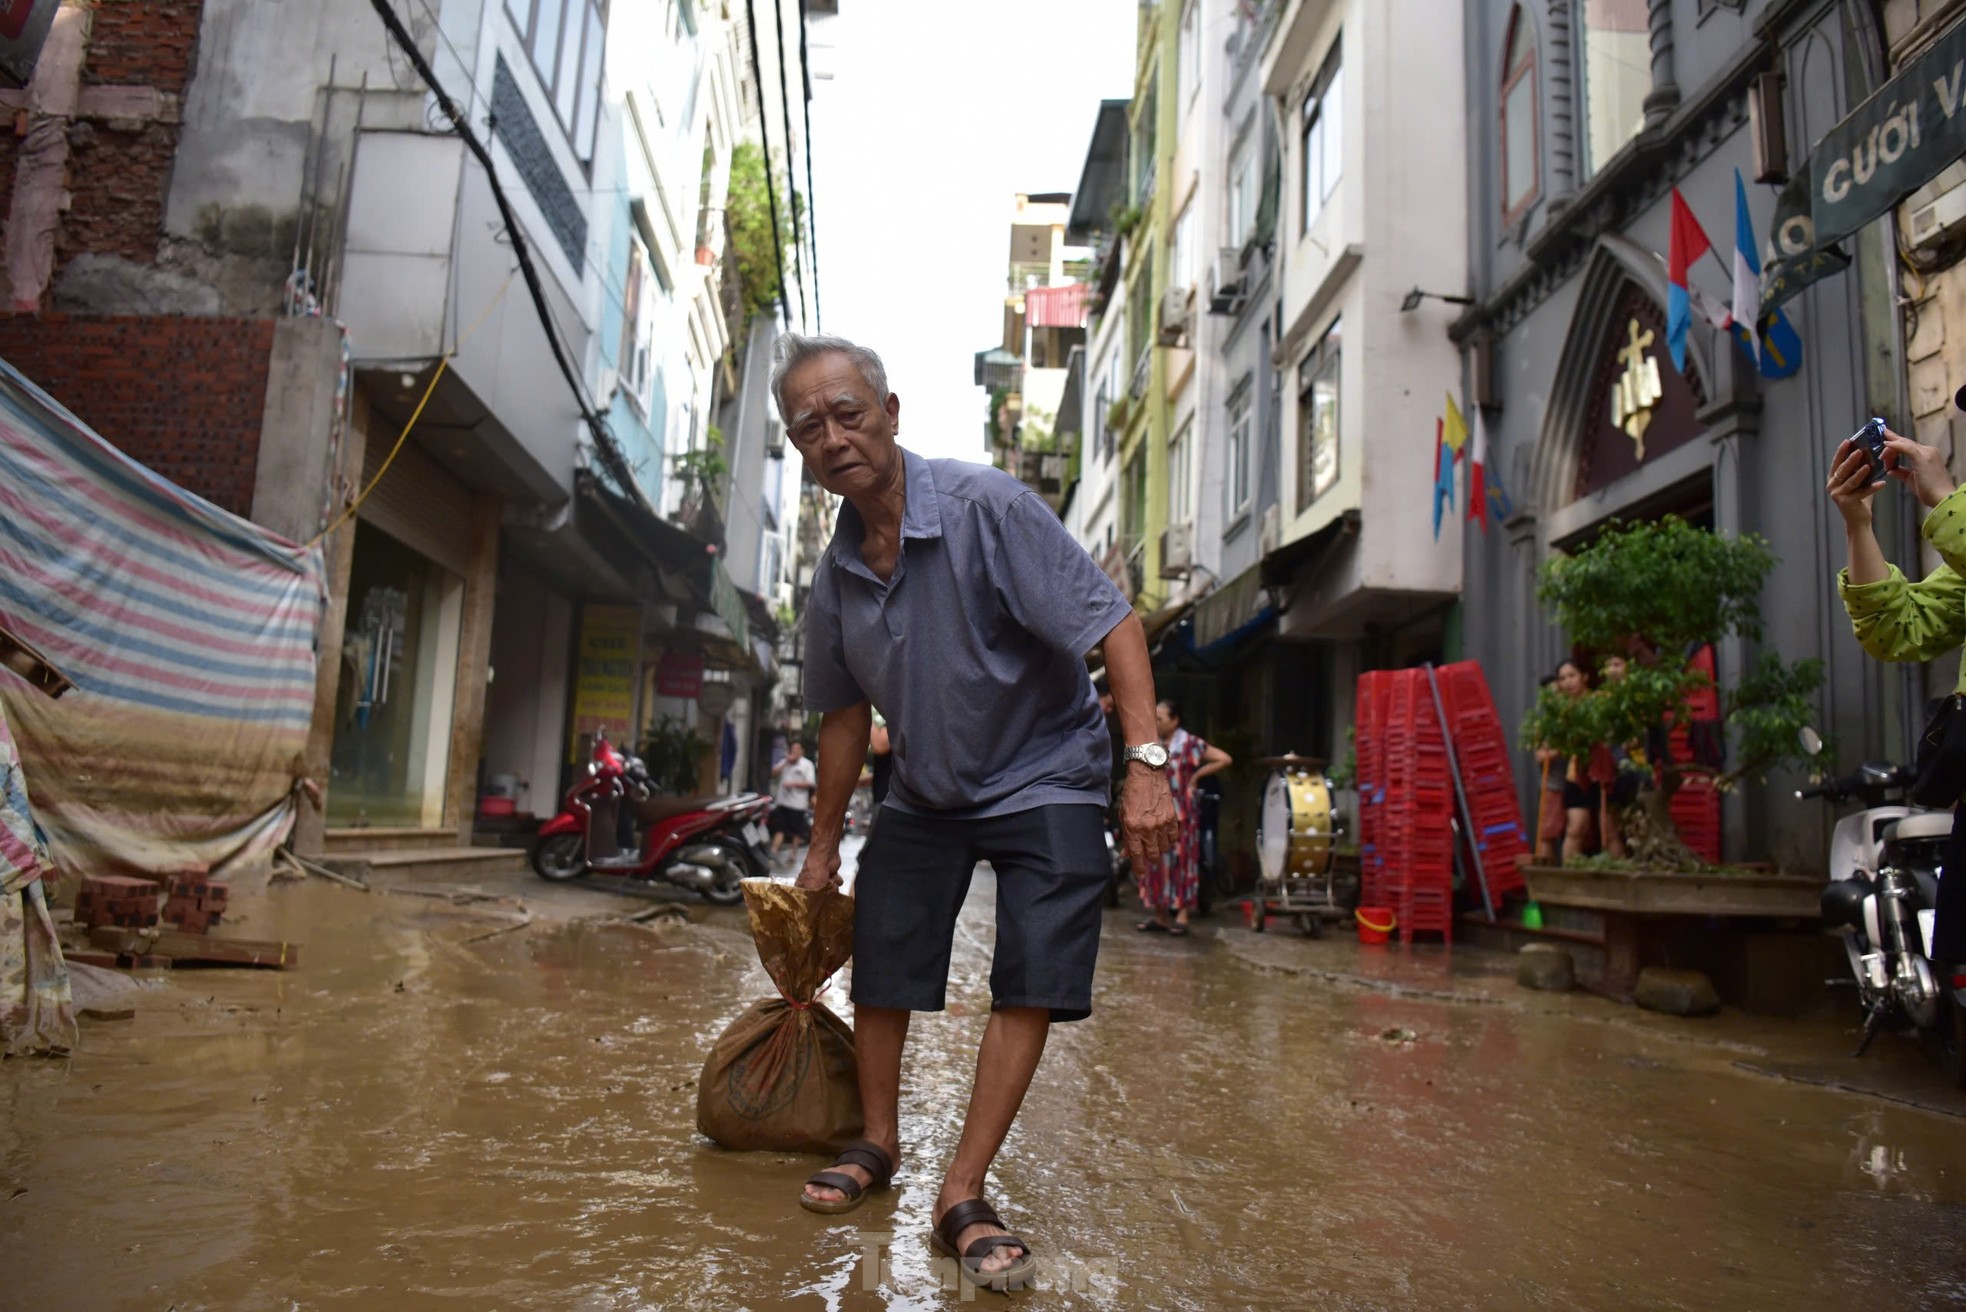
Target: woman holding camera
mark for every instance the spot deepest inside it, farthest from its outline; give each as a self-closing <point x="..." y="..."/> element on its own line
<point x="1898" y="620"/>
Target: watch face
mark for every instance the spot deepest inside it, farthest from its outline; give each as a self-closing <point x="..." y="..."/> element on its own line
<point x="1153" y="754"/>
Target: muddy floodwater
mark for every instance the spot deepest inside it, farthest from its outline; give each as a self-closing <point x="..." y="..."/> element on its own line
<point x="448" y="1110"/>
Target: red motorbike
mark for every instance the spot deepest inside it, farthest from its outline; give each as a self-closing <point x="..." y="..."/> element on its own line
<point x="705" y="844"/>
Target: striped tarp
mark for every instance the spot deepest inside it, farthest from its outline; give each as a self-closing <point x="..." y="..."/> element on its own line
<point x="190" y="636"/>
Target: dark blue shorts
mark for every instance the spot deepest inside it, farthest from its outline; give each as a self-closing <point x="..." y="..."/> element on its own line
<point x="1051" y="872"/>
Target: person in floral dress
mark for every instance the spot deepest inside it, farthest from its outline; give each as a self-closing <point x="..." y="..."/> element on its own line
<point x="1170" y="887"/>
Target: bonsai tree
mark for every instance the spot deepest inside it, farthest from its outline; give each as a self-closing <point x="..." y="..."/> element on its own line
<point x="1653" y="593"/>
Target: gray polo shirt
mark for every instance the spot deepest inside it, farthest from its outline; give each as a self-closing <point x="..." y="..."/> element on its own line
<point x="974" y="650"/>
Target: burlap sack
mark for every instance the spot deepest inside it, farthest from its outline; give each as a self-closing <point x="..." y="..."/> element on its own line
<point x="783" y="1075"/>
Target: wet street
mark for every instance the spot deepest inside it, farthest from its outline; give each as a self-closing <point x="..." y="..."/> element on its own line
<point x="456" y="1103"/>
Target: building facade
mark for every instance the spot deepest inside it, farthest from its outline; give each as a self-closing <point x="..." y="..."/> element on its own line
<point x="274" y="193"/>
<point x="1582" y="120"/>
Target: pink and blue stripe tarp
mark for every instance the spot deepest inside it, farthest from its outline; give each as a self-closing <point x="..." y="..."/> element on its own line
<point x="189" y="633"/>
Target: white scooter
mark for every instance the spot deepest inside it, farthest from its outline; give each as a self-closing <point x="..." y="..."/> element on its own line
<point x="1884" y="868"/>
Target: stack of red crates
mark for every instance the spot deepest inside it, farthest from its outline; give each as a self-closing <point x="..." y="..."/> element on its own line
<point x="1368" y="739"/>
<point x="1487" y="779"/>
<point x="1696" y="806"/>
<point x="1417" y="819"/>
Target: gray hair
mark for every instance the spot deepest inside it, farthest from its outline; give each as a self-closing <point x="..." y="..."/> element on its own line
<point x="794" y="349"/>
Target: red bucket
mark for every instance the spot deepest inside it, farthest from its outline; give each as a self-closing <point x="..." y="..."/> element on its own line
<point x="1375" y="924"/>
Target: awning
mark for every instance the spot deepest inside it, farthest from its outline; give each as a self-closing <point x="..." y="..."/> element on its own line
<point x="1280" y="567"/>
<point x="1223" y="616"/>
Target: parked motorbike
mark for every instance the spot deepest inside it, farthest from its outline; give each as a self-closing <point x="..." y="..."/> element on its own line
<point x="706" y="844"/>
<point x="1884" y="867"/>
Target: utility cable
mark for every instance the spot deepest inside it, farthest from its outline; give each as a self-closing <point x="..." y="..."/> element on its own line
<point x="764" y="143"/>
<point x="791" y="168"/>
<point x="605" y="446"/>
<point x="812" y="224"/>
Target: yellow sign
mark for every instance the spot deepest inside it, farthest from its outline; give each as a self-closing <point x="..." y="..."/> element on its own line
<point x="1638" y="388"/>
<point x="604" y="674"/>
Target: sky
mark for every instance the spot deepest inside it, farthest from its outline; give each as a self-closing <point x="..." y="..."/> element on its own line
<point x="935" y="117"/>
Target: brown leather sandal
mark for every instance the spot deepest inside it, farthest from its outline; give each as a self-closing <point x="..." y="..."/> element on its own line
<point x="975" y="1211"/>
<point x="869" y="1157"/>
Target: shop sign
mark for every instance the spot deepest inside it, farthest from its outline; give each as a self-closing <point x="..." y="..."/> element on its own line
<point x="1892" y="144"/>
<point x="715" y="698"/>
<point x="1793" y="259"/>
<point x="24" y="28"/>
<point x="680" y="674"/>
<point x="1888" y="147"/>
<point x="604" y="677"/>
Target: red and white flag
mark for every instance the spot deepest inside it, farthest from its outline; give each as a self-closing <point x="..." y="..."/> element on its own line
<point x="1478" y="472"/>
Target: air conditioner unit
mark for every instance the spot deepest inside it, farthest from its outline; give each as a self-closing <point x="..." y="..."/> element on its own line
<point x="1177" y="551"/>
<point x="1938" y="219"/>
<point x="1175" y="314"/>
<point x="774" y="439"/>
<point x="1226" y="293"/>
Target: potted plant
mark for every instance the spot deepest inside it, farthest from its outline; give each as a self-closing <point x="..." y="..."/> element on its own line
<point x="1653" y="593"/>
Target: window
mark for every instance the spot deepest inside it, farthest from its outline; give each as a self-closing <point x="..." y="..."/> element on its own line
<point x="1181" y="265"/>
<point x="1242" y="187"/>
<point x="1317" y="418"/>
<point x="637" y="325"/>
<point x="1145" y="128"/>
<point x="1133" y="506"/>
<point x="1324" y="134"/>
<point x="1614" y="45"/>
<point x="566" y="39"/>
<point x="1190" y="54"/>
<point x="1521" y="122"/>
<point x="1180" y="474"/>
<point x="1235" y="478"/>
<point x="1102" y="425"/>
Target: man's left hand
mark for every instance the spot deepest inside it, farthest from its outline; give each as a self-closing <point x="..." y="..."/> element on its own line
<point x="1147" y="818"/>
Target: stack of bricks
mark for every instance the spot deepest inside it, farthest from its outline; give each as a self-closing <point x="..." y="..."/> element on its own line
<point x="196" y="902"/>
<point x="118" y="901"/>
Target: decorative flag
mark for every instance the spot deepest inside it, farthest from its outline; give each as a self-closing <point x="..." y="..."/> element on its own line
<point x="1443" y="472"/>
<point x="1477" y="473"/>
<point x="1688" y="243"/>
<point x="1498" y="496"/>
<point x="1455" y="430"/>
<point x="1771" y="340"/>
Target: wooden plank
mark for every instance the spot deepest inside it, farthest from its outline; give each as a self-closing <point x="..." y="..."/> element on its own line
<point x="198" y="949"/>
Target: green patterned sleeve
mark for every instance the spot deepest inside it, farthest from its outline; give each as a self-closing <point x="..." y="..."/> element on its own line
<point x="1897" y="620"/>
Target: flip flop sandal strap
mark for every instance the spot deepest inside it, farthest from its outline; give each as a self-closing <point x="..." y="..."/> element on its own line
<point x="989" y="1244"/>
<point x="839" y="1180"/>
<point x="964" y="1215"/>
<point x="870" y="1159"/>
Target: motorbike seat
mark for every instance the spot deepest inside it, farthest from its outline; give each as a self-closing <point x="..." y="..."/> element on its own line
<point x="1922" y="825"/>
<point x="653" y="809"/>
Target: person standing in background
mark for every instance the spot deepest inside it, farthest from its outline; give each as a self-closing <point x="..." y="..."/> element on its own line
<point x="1173" y="883"/>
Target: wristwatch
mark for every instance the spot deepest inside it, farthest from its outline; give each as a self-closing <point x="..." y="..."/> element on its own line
<point x="1152" y="755"/>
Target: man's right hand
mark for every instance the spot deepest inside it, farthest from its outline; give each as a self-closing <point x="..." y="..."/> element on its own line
<point x="821" y="868"/>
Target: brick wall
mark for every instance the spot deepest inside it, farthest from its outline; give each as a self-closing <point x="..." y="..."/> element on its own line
<point x="118" y="180"/>
<point x="150" y="43"/>
<point x="184" y="396"/>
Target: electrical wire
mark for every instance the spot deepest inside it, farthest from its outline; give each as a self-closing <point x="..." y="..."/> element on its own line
<point x="812" y="225"/>
<point x="605" y="446"/>
<point x="764" y="142"/>
<point x="785" y="110"/>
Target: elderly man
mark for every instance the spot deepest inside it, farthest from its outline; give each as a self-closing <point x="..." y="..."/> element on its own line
<point x="953" y="599"/>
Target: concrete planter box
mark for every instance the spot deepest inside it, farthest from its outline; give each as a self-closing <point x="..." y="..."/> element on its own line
<point x="1664" y="893"/>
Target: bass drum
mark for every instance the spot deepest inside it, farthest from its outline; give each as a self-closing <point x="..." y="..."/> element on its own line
<point x="1294" y="841"/>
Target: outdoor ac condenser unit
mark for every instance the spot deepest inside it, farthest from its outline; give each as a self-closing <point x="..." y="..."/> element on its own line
<point x="1177" y="551"/>
<point x="1226" y="294"/>
<point x="1943" y="217"/>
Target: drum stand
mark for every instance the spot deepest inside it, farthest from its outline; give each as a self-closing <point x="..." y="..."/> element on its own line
<point x="1299" y="876"/>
